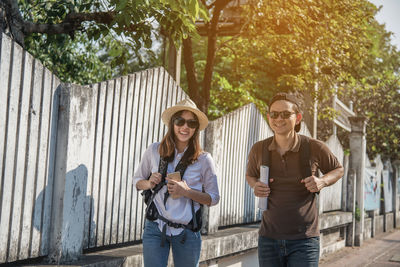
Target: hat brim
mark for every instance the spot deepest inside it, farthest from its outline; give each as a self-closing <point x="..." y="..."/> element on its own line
<point x="167" y="114"/>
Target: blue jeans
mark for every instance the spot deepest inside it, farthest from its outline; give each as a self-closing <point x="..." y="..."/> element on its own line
<point x="279" y="253"/>
<point x="185" y="255"/>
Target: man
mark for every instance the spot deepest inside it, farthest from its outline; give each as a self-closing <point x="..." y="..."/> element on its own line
<point x="289" y="234"/>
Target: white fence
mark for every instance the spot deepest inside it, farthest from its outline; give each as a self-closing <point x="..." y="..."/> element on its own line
<point x="28" y="124"/>
<point x="332" y="197"/>
<point x="103" y="131"/>
<point x="233" y="136"/>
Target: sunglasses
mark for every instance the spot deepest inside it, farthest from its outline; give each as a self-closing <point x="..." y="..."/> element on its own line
<point x="179" y="121"/>
<point x="283" y="114"/>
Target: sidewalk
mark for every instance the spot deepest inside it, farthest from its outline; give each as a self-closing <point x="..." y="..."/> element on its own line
<point x="381" y="251"/>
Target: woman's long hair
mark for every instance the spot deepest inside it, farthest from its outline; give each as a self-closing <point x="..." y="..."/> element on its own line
<point x="167" y="146"/>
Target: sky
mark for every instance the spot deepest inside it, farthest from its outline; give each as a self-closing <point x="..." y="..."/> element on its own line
<point x="390" y="15"/>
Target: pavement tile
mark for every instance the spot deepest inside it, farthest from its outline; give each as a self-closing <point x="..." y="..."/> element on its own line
<point x="380" y="251"/>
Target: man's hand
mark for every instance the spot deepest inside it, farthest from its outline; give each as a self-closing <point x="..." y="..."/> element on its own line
<point x="261" y="189"/>
<point x="313" y="183"/>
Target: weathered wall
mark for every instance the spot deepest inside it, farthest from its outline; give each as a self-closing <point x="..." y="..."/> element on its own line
<point x="367" y="228"/>
<point x="28" y="125"/>
<point x="331" y="197"/>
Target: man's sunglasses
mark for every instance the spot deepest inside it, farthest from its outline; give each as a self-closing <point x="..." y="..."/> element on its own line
<point x="284" y="114"/>
<point x="179" y="121"/>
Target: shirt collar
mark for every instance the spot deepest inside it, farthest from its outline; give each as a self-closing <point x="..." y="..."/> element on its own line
<point x="177" y="153"/>
<point x="295" y="147"/>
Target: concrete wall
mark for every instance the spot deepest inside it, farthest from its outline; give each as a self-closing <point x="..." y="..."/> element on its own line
<point x="389" y="221"/>
<point x="379" y="225"/>
<point x="367" y="234"/>
<point x="248" y="258"/>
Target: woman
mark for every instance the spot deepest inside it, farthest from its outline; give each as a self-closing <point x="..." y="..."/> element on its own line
<point x="171" y="219"/>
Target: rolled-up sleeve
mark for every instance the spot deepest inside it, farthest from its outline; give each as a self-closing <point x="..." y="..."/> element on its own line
<point x="210" y="181"/>
<point x="144" y="169"/>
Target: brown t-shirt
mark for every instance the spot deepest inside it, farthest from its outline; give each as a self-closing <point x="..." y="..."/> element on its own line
<point x="292" y="212"/>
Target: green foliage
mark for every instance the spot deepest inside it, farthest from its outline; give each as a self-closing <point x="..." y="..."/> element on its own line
<point x="294" y="45"/>
<point x="97" y="51"/>
<point x="357" y="214"/>
<point x="78" y="61"/>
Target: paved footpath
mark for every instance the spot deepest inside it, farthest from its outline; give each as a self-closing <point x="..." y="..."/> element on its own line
<point x="381" y="251"/>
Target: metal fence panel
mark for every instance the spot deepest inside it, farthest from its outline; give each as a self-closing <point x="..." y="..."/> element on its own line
<point x="234" y="135"/>
<point x="128" y="120"/>
<point x="29" y="108"/>
<point x="331" y="197"/>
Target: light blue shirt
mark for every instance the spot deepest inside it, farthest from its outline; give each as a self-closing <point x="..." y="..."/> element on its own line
<point x="200" y="174"/>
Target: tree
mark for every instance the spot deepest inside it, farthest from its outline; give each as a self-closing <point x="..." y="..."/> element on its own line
<point x="199" y="91"/>
<point x="294" y="46"/>
<point x="377" y="93"/>
<point x="133" y="18"/>
<point x="117" y="31"/>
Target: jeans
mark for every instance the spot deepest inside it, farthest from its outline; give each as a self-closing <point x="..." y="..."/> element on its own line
<point x="184" y="255"/>
<point x="298" y="253"/>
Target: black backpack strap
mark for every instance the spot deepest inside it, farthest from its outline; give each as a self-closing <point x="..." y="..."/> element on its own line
<point x="151" y="210"/>
<point x="181" y="167"/>
<point x="305" y="156"/>
<point x="266" y="154"/>
<point x="149" y="194"/>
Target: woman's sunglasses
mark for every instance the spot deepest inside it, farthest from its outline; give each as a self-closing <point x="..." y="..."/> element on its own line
<point x="284" y="114"/>
<point x="179" y="121"/>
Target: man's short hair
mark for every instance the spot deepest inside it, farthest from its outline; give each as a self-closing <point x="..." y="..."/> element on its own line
<point x="290" y="98"/>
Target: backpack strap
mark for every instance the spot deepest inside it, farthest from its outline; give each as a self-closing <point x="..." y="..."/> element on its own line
<point x="305" y="156"/>
<point x="151" y="209"/>
<point x="266" y="154"/>
<point x="150" y="194"/>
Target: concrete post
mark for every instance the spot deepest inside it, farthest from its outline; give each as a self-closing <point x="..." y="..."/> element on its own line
<point x="357" y="162"/>
<point x="69" y="209"/>
<point x="345" y="189"/>
<point x="396" y="177"/>
<point x="211" y="214"/>
<point x="351" y="206"/>
<point x="373" y="214"/>
<point x="174" y="61"/>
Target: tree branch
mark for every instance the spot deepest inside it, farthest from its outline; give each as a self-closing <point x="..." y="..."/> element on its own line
<point x="71" y="23"/>
<point x="20" y="28"/>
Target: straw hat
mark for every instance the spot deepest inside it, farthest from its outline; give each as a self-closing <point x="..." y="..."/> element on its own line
<point x="185" y="104"/>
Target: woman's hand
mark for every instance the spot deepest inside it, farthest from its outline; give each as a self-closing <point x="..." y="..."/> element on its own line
<point x="177" y="188"/>
<point x="154" y="179"/>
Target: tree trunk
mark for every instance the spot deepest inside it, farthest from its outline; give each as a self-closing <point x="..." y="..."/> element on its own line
<point x="202" y="96"/>
<point x="193" y="85"/>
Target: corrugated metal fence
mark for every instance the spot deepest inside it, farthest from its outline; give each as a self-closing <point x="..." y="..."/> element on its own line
<point x="332" y="197"/>
<point x="121" y="118"/>
<point x="234" y="134"/>
<point x="127" y="120"/>
<point x="28" y="121"/>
